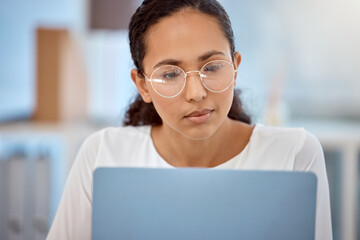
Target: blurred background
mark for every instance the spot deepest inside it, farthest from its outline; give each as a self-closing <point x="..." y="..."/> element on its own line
<point x="65" y="73"/>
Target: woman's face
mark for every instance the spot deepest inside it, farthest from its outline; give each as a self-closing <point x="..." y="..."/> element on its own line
<point x="188" y="39"/>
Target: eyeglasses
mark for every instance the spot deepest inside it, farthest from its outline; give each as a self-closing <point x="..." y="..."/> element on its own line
<point x="168" y="80"/>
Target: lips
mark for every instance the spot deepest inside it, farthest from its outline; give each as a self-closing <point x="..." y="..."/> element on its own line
<point x="199" y="113"/>
<point x="199" y="116"/>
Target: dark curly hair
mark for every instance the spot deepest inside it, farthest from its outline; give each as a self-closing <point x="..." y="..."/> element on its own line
<point x="149" y="13"/>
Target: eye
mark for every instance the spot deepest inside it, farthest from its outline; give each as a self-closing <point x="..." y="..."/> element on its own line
<point x="213" y="67"/>
<point x="169" y="75"/>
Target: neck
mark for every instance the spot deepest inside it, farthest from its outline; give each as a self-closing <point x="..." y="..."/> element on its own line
<point x="181" y="151"/>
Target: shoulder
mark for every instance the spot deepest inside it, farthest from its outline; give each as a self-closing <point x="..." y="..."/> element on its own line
<point x="276" y="147"/>
<point x="113" y="140"/>
<point x="280" y="135"/>
<point x="279" y="131"/>
<point x="107" y="146"/>
<point x="311" y="155"/>
<point x="300" y="138"/>
<point x="117" y="134"/>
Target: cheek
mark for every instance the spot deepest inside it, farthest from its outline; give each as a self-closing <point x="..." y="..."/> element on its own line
<point x="225" y="99"/>
<point x="166" y="108"/>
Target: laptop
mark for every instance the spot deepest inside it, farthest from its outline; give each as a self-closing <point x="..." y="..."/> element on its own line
<point x="195" y="203"/>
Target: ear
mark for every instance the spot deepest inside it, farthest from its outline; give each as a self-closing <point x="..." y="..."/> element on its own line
<point x="237" y="61"/>
<point x="140" y="83"/>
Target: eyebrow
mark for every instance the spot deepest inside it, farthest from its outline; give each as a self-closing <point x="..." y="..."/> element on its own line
<point x="167" y="62"/>
<point x="201" y="58"/>
<point x="210" y="54"/>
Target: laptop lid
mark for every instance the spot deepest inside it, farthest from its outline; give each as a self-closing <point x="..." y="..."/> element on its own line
<point x="194" y="203"/>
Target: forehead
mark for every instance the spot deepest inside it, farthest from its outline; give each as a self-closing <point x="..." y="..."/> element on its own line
<point x="184" y="36"/>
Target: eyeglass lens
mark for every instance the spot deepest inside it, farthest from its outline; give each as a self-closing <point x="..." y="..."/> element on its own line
<point x="169" y="80"/>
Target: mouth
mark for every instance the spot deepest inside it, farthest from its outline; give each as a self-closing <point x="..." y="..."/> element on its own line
<point x="199" y="116"/>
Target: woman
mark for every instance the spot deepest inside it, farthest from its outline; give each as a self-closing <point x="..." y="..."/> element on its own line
<point x="187" y="113"/>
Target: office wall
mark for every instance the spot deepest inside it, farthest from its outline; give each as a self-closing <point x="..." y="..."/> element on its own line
<point x="18" y="23"/>
<point x="309" y="50"/>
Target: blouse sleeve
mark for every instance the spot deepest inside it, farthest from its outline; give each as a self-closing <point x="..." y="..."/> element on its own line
<point x="73" y="217"/>
<point x="311" y="158"/>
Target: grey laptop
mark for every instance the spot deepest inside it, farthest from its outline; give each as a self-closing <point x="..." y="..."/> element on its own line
<point x="195" y="203"/>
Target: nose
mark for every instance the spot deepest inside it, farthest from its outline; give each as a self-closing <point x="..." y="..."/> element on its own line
<point x="194" y="89"/>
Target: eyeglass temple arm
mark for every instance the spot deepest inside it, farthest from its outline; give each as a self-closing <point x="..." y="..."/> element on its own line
<point x="152" y="80"/>
<point x="147" y="79"/>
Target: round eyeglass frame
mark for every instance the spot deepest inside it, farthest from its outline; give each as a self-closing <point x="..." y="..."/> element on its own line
<point x="186" y="73"/>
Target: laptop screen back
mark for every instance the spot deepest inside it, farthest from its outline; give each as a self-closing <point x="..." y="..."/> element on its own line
<point x="193" y="203"/>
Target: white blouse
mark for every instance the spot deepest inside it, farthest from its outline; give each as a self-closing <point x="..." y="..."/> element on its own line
<point x="269" y="148"/>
